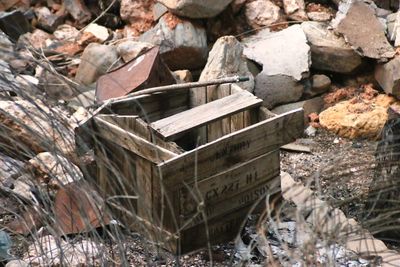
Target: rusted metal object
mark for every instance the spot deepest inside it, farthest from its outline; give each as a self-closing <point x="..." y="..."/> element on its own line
<point x="78" y="209"/>
<point x="145" y="71"/>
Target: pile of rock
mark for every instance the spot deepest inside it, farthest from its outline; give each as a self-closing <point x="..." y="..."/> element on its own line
<point x="51" y="58"/>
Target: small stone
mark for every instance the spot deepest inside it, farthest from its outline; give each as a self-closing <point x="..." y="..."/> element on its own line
<point x="388" y="76"/>
<point x="319" y="84"/>
<point x="319" y="16"/>
<point x="95" y="61"/>
<point x="37" y="39"/>
<point x="100" y="32"/>
<point x="183" y="76"/>
<point x="66" y="32"/>
<point x="129" y="50"/>
<point x="159" y="10"/>
<point x="196" y="8"/>
<point x="14" y="24"/>
<point x="295" y="9"/>
<point x="78" y="10"/>
<point x="310" y="131"/>
<point x="47" y="20"/>
<point x="261" y="13"/>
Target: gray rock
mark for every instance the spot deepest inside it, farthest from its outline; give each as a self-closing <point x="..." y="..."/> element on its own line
<point x="78" y="10"/>
<point x="330" y="52"/>
<point x="183" y="76"/>
<point x="388" y="76"/>
<point x="363" y="30"/>
<point x="95" y="61"/>
<point x="6" y="47"/>
<point x="100" y="32"/>
<point x="47" y="20"/>
<point x="226" y="59"/>
<point x="319" y="84"/>
<point x="283" y="69"/>
<point x="159" y="10"/>
<point x="86" y="99"/>
<point x="9" y="167"/>
<point x="128" y="50"/>
<point x="309" y="106"/>
<point x="183" y="46"/>
<point x="260" y="13"/>
<point x="393" y="26"/>
<point x="196" y="8"/>
<point x="319" y="16"/>
<point x="66" y="32"/>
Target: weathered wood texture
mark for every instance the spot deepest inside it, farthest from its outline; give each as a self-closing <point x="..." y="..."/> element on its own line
<point x="231" y="189"/>
<point x="234" y="148"/>
<point x="178" y="192"/>
<point x="131" y="142"/>
<point x="173" y="126"/>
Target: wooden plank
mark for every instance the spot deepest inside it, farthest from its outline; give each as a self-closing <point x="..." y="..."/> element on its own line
<point x="222" y="127"/>
<point x="228" y="183"/>
<point x="234" y="148"/>
<point x="139" y="127"/>
<point x="175" y="125"/>
<point x="226" y="206"/>
<point x="132" y="142"/>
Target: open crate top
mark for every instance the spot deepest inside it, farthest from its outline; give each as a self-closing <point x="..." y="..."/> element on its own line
<point x="227" y="149"/>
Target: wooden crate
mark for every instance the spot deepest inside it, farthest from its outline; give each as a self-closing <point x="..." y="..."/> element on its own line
<point x="185" y="196"/>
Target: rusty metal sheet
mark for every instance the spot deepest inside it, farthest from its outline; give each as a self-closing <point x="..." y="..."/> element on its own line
<point x="145" y="71"/>
<point x="78" y="209"/>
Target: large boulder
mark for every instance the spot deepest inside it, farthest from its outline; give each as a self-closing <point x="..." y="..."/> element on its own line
<point x="183" y="44"/>
<point x="358" y="117"/>
<point x="330" y="52"/>
<point x="196" y="8"/>
<point x="285" y="57"/>
<point x="95" y="61"/>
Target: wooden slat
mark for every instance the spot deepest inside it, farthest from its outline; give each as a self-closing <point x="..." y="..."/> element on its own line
<point x="137" y="126"/>
<point x="234" y="148"/>
<point x="229" y="188"/>
<point x="175" y="125"/>
<point x="235" y="180"/>
<point x="132" y="142"/>
<point x="222" y="127"/>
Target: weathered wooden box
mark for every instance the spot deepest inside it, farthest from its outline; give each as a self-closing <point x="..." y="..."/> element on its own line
<point x="188" y="177"/>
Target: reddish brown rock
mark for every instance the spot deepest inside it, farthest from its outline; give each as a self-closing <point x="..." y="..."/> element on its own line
<point x="138" y="14"/>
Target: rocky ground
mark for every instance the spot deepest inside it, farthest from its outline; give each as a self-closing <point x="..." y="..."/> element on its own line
<point x="338" y="60"/>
